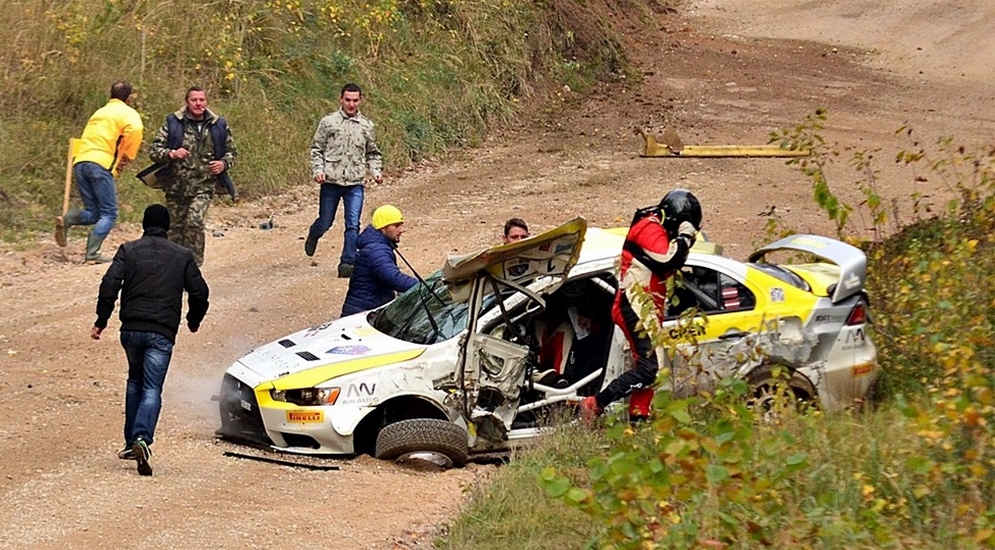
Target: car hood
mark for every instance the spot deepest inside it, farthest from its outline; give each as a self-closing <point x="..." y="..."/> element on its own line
<point x="550" y="254"/>
<point x="314" y="355"/>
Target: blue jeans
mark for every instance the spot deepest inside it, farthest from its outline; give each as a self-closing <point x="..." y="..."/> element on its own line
<point x="148" y="359"/>
<point x="96" y="188"/>
<point x="328" y="202"/>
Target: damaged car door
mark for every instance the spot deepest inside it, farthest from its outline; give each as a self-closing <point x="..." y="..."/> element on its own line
<point x="490" y="370"/>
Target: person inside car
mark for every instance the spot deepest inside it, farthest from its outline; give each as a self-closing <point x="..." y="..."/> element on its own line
<point x="515" y="230"/>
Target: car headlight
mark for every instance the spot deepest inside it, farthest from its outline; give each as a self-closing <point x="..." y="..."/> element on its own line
<point x="307" y="396"/>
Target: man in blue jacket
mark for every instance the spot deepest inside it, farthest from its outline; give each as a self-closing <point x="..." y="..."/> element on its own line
<point x="375" y="277"/>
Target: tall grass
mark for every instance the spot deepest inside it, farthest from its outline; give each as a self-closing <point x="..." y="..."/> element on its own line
<point x="436" y="75"/>
<point x="512" y="511"/>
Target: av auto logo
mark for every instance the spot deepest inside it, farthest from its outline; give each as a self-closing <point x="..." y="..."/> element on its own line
<point x="361" y="390"/>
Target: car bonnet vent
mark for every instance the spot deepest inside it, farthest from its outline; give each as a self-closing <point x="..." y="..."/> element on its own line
<point x="287" y="343"/>
<point x="307" y="355"/>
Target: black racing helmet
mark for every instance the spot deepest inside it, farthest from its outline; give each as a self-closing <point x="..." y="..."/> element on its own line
<point x="680" y="205"/>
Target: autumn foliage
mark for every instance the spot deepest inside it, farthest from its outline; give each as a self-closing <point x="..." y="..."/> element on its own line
<point x="915" y="468"/>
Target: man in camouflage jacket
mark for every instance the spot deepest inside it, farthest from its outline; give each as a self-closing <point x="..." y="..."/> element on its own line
<point x="343" y="147"/>
<point x="197" y="145"/>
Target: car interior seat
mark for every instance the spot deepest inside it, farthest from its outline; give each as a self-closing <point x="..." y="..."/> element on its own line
<point x="590" y="305"/>
<point x="555" y="335"/>
<point x="730" y="298"/>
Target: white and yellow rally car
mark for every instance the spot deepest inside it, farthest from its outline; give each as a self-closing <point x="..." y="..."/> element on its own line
<point x="475" y="359"/>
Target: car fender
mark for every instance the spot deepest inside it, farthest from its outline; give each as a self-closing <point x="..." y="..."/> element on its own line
<point x="346" y="418"/>
<point x="407" y="406"/>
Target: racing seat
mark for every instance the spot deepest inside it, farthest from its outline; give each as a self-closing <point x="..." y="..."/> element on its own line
<point x="730" y="298"/>
<point x="555" y="340"/>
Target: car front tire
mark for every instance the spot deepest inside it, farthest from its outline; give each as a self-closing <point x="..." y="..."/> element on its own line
<point x="438" y="441"/>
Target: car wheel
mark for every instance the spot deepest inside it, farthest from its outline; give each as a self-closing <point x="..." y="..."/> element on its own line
<point x="774" y="389"/>
<point x="437" y="441"/>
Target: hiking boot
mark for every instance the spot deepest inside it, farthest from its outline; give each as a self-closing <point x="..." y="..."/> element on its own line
<point x="309" y="245"/>
<point x="93" y="255"/>
<point x="64" y="222"/>
<point x="345" y="271"/>
<point x="142" y="454"/>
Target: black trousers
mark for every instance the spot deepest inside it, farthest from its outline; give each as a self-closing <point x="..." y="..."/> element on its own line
<point x="643" y="374"/>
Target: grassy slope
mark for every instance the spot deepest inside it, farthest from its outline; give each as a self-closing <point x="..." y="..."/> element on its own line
<point x="437" y="74"/>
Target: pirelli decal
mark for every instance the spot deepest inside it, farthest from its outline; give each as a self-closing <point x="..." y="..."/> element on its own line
<point x="305" y="417"/>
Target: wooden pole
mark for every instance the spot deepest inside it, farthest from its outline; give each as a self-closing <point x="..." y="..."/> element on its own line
<point x="69" y="174"/>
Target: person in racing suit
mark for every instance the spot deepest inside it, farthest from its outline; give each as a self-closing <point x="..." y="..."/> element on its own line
<point x="655" y="247"/>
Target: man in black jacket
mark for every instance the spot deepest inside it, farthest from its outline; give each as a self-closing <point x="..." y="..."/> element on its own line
<point x="151" y="274"/>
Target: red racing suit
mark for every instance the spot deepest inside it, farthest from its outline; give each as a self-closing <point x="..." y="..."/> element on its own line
<point x="649" y="258"/>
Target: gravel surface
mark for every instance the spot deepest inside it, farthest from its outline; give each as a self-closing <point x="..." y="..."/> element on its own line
<point x="724" y="72"/>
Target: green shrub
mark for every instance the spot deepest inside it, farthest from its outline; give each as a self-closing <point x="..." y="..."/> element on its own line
<point x="931" y="280"/>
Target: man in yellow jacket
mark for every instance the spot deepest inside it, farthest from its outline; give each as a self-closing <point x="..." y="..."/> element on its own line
<point x="111" y="140"/>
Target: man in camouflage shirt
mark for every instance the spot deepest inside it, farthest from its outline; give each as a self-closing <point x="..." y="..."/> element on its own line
<point x="197" y="145"/>
<point x="343" y="147"/>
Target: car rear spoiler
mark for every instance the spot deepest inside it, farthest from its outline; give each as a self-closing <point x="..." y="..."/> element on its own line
<point x="851" y="260"/>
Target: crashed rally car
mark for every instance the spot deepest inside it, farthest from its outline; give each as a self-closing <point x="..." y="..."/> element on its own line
<point x="478" y="357"/>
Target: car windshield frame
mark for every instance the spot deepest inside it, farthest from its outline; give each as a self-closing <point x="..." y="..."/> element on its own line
<point x="424" y="314"/>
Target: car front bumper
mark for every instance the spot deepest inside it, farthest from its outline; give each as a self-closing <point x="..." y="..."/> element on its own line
<point x="252" y="418"/>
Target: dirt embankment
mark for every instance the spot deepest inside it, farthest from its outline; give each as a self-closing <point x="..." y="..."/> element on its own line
<point x="724" y="72"/>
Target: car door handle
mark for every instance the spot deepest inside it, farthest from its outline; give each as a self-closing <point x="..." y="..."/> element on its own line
<point x="733" y="334"/>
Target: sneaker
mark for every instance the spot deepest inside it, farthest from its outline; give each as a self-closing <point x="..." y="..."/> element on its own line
<point x="98" y="259"/>
<point x="128" y="454"/>
<point x="309" y="246"/>
<point x="142" y="454"/>
<point x="345" y="271"/>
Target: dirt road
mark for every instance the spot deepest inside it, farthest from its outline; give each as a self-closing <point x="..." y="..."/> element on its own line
<point x="725" y="71"/>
